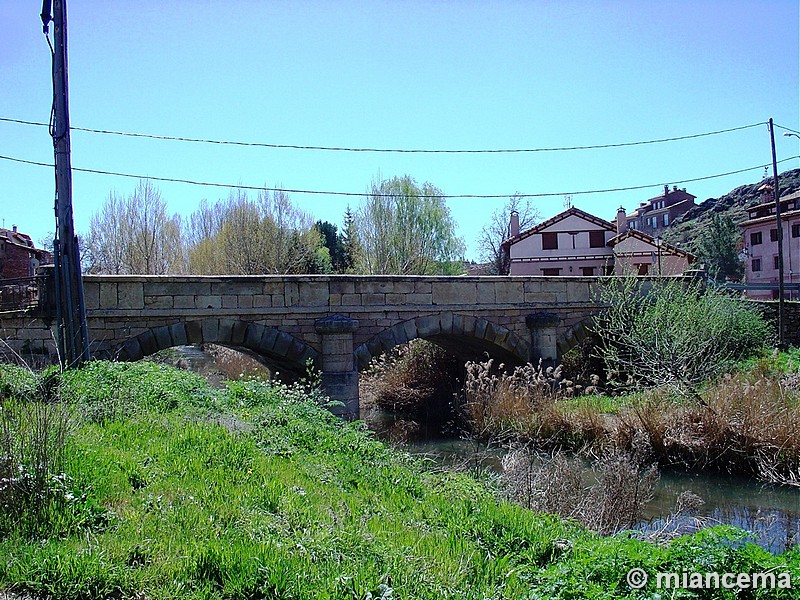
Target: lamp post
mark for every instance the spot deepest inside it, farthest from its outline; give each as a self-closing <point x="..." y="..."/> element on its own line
<point x="658" y="248"/>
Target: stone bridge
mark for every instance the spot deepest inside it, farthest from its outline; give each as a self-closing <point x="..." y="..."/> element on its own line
<point x="338" y="322"/>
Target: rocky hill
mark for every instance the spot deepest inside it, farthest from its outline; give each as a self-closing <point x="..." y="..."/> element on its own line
<point x="687" y="229"/>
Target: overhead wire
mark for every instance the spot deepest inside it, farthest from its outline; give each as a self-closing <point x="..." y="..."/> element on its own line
<point x="786" y="128"/>
<point x="370" y="194"/>
<point x="393" y="150"/>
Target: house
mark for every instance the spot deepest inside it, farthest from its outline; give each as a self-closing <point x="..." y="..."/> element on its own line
<point x="575" y="242"/>
<point x="761" y="243"/>
<point x="18" y="255"/>
<point x="656" y="214"/>
<point x="642" y="254"/>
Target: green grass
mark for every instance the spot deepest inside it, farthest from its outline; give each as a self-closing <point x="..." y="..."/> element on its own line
<point x="176" y="490"/>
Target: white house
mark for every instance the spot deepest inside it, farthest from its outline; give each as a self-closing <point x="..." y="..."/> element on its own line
<point x="575" y="243"/>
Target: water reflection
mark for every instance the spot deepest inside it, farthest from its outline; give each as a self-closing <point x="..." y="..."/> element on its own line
<point x="770" y="513"/>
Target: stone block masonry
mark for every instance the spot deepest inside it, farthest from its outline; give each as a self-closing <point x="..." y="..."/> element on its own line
<point x="287" y="319"/>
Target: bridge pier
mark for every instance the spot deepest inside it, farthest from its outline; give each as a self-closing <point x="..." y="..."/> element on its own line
<point x="544" y="328"/>
<point x="339" y="374"/>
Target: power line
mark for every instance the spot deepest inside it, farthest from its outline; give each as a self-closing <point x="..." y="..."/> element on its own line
<point x="786" y="128"/>
<point x="367" y="194"/>
<point x="393" y="150"/>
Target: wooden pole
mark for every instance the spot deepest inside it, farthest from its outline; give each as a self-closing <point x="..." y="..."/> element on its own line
<point x="777" y="192"/>
<point x="71" y="328"/>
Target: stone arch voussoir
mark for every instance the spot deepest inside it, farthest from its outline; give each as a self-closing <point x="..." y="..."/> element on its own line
<point x="575" y="335"/>
<point x="487" y="334"/>
<point x="263" y="340"/>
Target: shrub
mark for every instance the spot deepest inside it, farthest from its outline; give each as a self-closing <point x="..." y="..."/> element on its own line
<point x="415" y="378"/>
<point x="496" y="402"/>
<point x="673" y="332"/>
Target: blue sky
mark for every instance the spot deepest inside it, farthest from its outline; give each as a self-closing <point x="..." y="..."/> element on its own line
<point x="410" y="75"/>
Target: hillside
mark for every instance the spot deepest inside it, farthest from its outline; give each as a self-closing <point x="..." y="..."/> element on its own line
<point x="687" y="229"/>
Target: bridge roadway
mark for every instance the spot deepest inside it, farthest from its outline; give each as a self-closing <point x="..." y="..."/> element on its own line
<point x="339" y="322"/>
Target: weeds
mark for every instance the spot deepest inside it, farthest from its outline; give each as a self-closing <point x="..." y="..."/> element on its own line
<point x="606" y="499"/>
<point x="34" y="424"/>
<point x="747" y="423"/>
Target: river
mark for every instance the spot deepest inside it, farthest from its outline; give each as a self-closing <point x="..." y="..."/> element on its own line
<point x="771" y="513"/>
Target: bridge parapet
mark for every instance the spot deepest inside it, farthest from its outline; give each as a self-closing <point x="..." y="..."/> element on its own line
<point x="132" y="316"/>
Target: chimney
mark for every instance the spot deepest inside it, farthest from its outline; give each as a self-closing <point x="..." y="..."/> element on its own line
<point x="14" y="227"/>
<point x="666" y="190"/>
<point x="513" y="227"/>
<point x="622" y="221"/>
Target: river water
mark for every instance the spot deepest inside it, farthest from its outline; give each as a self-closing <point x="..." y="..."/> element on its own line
<point x="771" y="513"/>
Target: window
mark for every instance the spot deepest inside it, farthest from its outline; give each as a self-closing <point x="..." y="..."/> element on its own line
<point x="608" y="270"/>
<point x="597" y="239"/>
<point x="665" y="219"/>
<point x="755" y="265"/>
<point x="549" y="241"/>
<point x="643" y="268"/>
<point x="796" y="230"/>
<point x="755" y="238"/>
<point x="587" y="271"/>
<point x="551" y="272"/>
<point x="773" y="235"/>
<point x="655" y="222"/>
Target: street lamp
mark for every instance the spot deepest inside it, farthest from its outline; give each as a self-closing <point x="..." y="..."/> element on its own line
<point x="658" y="247"/>
<point x="791" y="134"/>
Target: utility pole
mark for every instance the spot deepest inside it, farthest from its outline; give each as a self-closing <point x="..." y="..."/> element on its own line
<point x="71" y="333"/>
<point x="777" y="192"/>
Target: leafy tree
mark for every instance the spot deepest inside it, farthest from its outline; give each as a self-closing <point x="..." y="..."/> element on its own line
<point x="333" y="242"/>
<point x="718" y="248"/>
<point x="404" y="228"/>
<point x="497" y="230"/>
<point x="134" y="235"/>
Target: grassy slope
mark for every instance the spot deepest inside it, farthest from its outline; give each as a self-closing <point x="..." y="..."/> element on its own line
<point x="180" y="491"/>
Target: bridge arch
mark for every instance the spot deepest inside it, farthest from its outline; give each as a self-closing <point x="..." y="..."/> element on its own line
<point x="277" y="347"/>
<point x="575" y="335"/>
<point x="464" y="335"/>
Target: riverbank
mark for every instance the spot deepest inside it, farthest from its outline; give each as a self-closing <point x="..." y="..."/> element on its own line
<point x="173" y="489"/>
<point x="746" y="423"/>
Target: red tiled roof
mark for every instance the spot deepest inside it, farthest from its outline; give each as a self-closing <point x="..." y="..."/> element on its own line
<point x="560" y="217"/>
<point x="666" y="248"/>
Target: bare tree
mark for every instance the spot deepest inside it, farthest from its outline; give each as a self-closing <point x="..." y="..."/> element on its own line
<point x="496" y="231"/>
<point x="134" y="235"/>
<point x="246" y="237"/>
